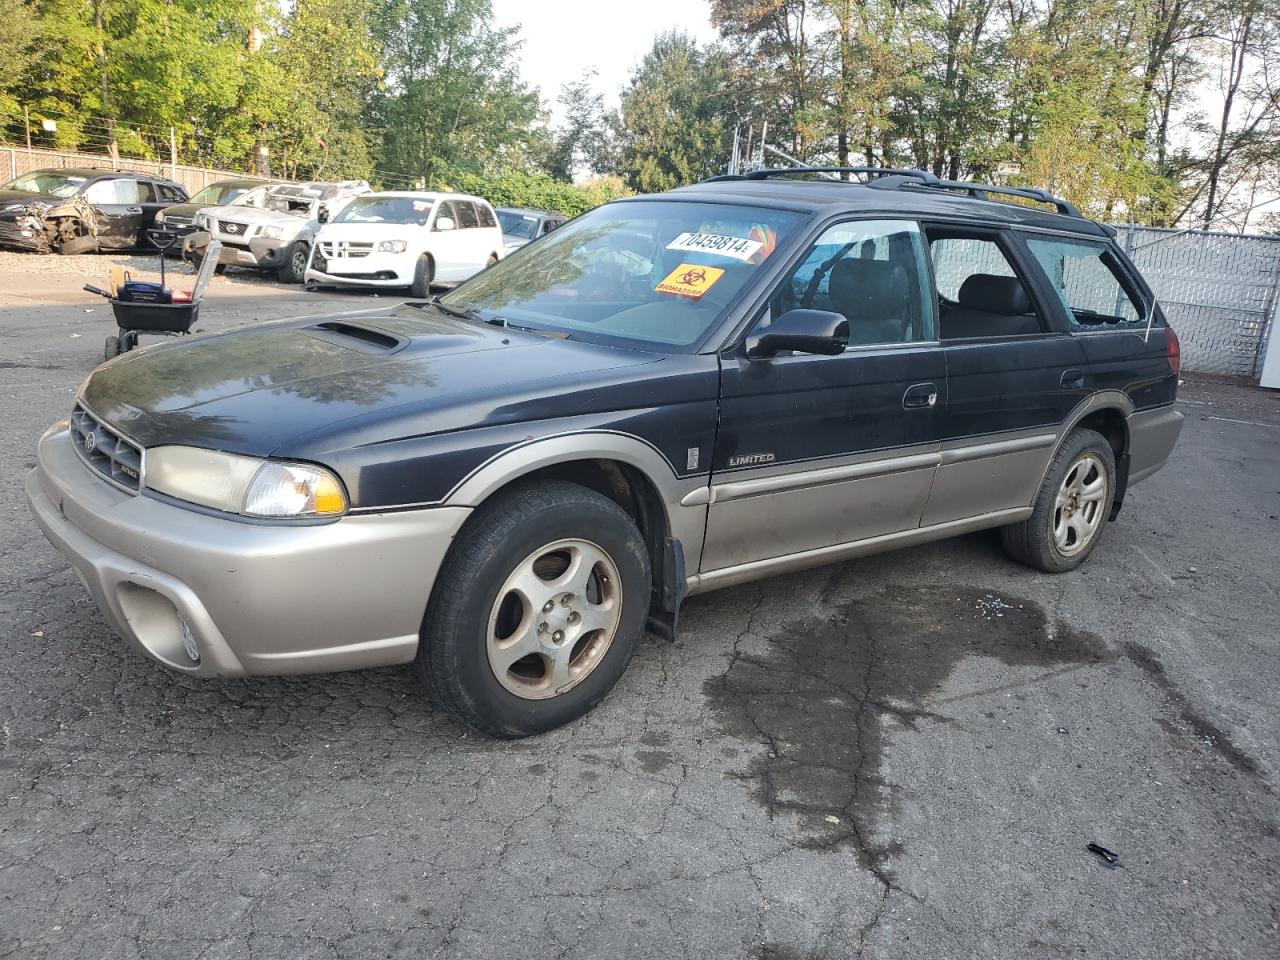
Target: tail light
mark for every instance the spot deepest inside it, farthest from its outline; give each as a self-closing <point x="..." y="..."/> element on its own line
<point x="1175" y="350"/>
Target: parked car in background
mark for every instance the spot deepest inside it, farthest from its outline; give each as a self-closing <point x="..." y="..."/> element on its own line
<point x="82" y="210"/>
<point x="520" y="224"/>
<point x="276" y="236"/>
<point x="406" y="239"/>
<point x="180" y="218"/>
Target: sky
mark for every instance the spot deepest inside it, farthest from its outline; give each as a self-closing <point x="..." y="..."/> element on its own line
<point x="564" y="37"/>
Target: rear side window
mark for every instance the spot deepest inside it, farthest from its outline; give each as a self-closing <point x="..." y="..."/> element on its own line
<point x="980" y="294"/>
<point x="874" y="273"/>
<point x="467" y="219"/>
<point x="146" y="191"/>
<point x="1090" y="284"/>
<point x="485" y="213"/>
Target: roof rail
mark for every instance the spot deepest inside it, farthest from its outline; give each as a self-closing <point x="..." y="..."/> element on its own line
<point x="979" y="191"/>
<point x="766" y="172"/>
<point x="890" y="178"/>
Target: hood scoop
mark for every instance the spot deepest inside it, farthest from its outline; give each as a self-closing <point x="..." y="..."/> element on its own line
<point x="360" y="337"/>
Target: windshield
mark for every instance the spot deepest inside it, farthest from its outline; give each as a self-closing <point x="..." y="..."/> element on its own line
<point x="655" y="273"/>
<point x="522" y="225"/>
<point x="386" y="210"/>
<point x="53" y="184"/>
<point x="218" y="194"/>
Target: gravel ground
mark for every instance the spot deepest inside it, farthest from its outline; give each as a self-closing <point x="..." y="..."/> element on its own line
<point x="898" y="757"/>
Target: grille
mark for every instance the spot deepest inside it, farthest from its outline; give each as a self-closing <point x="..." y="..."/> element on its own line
<point x="232" y="228"/>
<point x="177" y="221"/>
<point x="344" y="248"/>
<point x="106" y="451"/>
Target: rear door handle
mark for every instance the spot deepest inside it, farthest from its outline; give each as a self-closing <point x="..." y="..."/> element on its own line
<point x="920" y="395"/>
<point x="1072" y="379"/>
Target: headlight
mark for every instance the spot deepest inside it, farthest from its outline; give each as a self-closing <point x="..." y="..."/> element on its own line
<point x="244" y="485"/>
<point x="271" y="233"/>
<point x="159" y="216"/>
<point x="202" y="221"/>
<point x="392" y="246"/>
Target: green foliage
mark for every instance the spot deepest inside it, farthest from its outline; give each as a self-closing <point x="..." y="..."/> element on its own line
<point x="453" y="97"/>
<point x="19" y="28"/>
<point x="670" y="128"/>
<point x="536" y="190"/>
<point x="582" y="142"/>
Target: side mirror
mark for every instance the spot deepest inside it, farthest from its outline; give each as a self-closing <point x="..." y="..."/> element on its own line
<point x="805" y="331"/>
<point x="445" y="223"/>
<point x="322" y="215"/>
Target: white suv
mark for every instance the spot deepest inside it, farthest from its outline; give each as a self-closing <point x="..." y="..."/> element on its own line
<point x="277" y="235"/>
<point x="402" y="239"/>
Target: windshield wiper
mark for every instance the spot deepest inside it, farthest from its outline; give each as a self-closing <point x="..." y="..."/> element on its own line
<point x="460" y="313"/>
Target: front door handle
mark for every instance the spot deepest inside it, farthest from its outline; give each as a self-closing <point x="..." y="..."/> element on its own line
<point x="1072" y="379"/>
<point x="920" y="395"/>
<point x="132" y="209"/>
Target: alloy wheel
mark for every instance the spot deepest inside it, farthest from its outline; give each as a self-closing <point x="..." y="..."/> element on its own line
<point x="1078" y="511"/>
<point x="554" y="619"/>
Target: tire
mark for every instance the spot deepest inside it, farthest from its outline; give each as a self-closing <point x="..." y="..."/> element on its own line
<point x="198" y="258"/>
<point x="424" y="272"/>
<point x="479" y="621"/>
<point x="294" y="270"/>
<point x="1056" y="539"/>
<point x="112" y="348"/>
<point x="492" y="261"/>
<point x="78" y="245"/>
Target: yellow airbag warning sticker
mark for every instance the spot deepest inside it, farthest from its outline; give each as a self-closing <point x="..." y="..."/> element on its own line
<point x="690" y="280"/>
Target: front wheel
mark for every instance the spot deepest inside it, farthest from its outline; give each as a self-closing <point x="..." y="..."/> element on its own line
<point x="424" y="272"/>
<point x="1071" y="508"/>
<point x="294" y="269"/>
<point x="537" y="610"/>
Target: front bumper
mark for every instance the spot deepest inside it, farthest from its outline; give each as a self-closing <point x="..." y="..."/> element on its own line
<point x="256" y="598"/>
<point x="21" y="232"/>
<point x="257" y="253"/>
<point x="375" y="270"/>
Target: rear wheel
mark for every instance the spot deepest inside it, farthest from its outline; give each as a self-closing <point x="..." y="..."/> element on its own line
<point x="424" y="272"/>
<point x="537" y="610"/>
<point x="1071" y="508"/>
<point x="112" y="348"/>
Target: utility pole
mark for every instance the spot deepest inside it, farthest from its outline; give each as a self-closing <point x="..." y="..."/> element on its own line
<point x="173" y="155"/>
<point x="26" y="119"/>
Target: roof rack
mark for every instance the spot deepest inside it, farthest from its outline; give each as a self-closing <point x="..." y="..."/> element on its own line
<point x="890" y="178"/>
<point x="765" y="173"/>
<point x="979" y="191"/>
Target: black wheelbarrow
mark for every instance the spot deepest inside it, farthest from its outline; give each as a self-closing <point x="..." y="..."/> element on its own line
<point x="153" y="308"/>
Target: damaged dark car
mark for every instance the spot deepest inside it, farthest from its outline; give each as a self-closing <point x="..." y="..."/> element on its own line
<point x="72" y="210"/>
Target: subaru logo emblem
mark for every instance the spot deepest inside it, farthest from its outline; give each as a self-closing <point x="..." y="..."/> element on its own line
<point x="90" y="442"/>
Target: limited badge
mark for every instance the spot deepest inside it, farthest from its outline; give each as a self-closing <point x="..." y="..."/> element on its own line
<point x="690" y="280"/>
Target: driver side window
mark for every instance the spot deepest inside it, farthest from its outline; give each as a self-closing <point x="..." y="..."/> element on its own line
<point x="872" y="272"/>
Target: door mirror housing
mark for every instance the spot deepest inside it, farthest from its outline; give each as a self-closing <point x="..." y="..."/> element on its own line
<point x="445" y="223"/>
<point x="322" y="215"/>
<point x="804" y="331"/>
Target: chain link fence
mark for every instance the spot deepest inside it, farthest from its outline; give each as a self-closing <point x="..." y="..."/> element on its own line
<point x="15" y="161"/>
<point x="1218" y="290"/>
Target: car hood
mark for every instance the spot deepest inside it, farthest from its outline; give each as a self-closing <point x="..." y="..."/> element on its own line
<point x="259" y="215"/>
<point x="189" y="209"/>
<point x="20" y="196"/>
<point x="413" y="370"/>
<point x="368" y="231"/>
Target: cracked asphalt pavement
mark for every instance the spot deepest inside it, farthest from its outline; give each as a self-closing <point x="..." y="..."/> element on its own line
<point x="904" y="756"/>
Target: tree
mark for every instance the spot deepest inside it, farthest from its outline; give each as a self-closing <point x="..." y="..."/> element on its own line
<point x="19" y="27"/>
<point x="581" y="142"/>
<point x="453" y="97"/>
<point x="669" y="126"/>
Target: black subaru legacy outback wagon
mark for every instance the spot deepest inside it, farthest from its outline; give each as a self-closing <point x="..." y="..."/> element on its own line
<point x="669" y="394"/>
